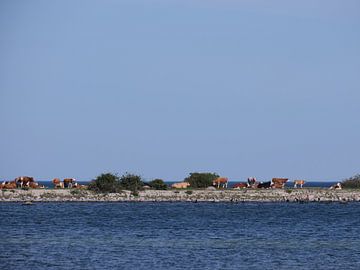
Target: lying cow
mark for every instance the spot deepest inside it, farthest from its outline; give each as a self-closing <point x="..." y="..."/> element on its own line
<point x="77" y="185"/>
<point x="181" y="185"/>
<point x="240" y="185"/>
<point x="8" y="185"/>
<point x="336" y="186"/>
<point x="36" y="185"/>
<point x="264" y="185"/>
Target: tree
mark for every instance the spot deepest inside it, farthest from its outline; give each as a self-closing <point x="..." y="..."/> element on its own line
<point x="352" y="182"/>
<point x="131" y="182"/>
<point x="201" y="180"/>
<point x="106" y="182"/>
<point x="158" y="184"/>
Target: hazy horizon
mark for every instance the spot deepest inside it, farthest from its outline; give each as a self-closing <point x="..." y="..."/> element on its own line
<point x="164" y="88"/>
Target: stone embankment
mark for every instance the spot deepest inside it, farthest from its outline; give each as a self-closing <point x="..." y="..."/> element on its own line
<point x="247" y="195"/>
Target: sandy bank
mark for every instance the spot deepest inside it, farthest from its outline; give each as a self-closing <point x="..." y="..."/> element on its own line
<point x="248" y="195"/>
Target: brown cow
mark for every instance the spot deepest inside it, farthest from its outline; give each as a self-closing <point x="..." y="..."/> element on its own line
<point x="299" y="182"/>
<point x="35" y="185"/>
<point x="240" y="185"/>
<point x="68" y="182"/>
<point x="221" y="181"/>
<point x="57" y="183"/>
<point x="24" y="181"/>
<point x="8" y="185"/>
<point x="279" y="182"/>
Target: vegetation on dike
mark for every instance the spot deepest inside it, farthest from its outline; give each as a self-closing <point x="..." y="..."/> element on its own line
<point x="158" y="184"/>
<point x="352" y="182"/>
<point x="201" y="180"/>
<point x="112" y="183"/>
<point x="131" y="182"/>
<point x="106" y="183"/>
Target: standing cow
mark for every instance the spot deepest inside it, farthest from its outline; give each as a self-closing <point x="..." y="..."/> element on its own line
<point x="24" y="181"/>
<point x="68" y="182"/>
<point x="299" y="182"/>
<point x="279" y="182"/>
<point x="221" y="182"/>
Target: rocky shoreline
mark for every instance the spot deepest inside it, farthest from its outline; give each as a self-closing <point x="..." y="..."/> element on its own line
<point x="246" y="195"/>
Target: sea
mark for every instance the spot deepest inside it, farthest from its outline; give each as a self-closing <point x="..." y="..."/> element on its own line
<point x="179" y="236"/>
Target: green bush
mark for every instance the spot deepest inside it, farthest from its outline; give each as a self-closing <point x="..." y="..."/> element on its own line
<point x="158" y="184"/>
<point x="189" y="192"/>
<point x="131" y="182"/>
<point x="106" y="183"/>
<point x="352" y="182"/>
<point x="201" y="180"/>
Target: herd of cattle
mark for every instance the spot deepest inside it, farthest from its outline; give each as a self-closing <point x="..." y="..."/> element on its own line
<point x="29" y="182"/>
<point x="221" y="182"/>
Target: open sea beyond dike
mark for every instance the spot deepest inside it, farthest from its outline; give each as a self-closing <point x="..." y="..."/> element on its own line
<point x="179" y="235"/>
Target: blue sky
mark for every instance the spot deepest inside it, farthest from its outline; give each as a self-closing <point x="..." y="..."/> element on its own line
<point x="164" y="88"/>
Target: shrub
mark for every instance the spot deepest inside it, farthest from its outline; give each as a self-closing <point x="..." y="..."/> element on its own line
<point x="352" y="182"/>
<point x="201" y="180"/>
<point x="76" y="192"/>
<point x="106" y="183"/>
<point x="158" y="184"/>
<point x="131" y="182"/>
<point x="189" y="192"/>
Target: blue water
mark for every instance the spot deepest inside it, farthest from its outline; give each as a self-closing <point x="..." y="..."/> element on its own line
<point x="180" y="236"/>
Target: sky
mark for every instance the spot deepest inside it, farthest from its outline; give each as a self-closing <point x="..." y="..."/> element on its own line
<point x="164" y="88"/>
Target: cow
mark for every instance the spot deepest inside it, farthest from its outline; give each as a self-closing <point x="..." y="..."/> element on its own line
<point x="279" y="182"/>
<point x="299" y="182"/>
<point x="221" y="181"/>
<point x="251" y="181"/>
<point x="68" y="182"/>
<point x="336" y="186"/>
<point x="240" y="185"/>
<point x="35" y="185"/>
<point x="24" y="181"/>
<point x="77" y="185"/>
<point x="180" y="185"/>
<point x="8" y="185"/>
<point x="264" y="185"/>
<point x="57" y="183"/>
